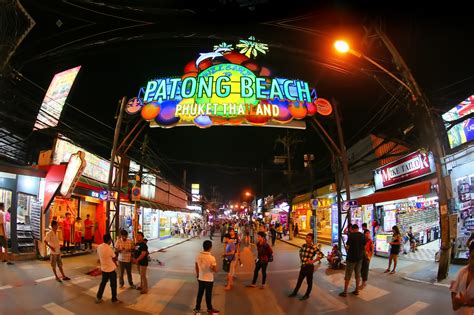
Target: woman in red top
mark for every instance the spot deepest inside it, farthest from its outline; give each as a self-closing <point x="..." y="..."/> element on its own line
<point x="88" y="225"/>
<point x="67" y="231"/>
<point x="368" y="252"/>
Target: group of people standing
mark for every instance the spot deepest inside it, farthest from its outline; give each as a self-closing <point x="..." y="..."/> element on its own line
<point x="75" y="232"/>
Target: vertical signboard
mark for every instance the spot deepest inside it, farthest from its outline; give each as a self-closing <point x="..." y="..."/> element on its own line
<point x="74" y="170"/>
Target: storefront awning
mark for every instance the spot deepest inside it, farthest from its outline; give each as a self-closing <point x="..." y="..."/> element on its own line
<point x="422" y="188"/>
<point x="160" y="206"/>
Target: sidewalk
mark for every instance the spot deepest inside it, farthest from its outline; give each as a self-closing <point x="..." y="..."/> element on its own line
<point x="410" y="270"/>
<point x="159" y="245"/>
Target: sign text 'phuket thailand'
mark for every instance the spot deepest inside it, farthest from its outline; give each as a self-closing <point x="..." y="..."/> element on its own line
<point x="225" y="87"/>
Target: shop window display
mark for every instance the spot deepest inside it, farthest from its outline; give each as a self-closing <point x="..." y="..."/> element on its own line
<point x="6" y="198"/>
<point x="465" y="209"/>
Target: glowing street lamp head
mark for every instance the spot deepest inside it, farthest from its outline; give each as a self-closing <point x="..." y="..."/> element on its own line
<point x="341" y="46"/>
<point x="248" y="194"/>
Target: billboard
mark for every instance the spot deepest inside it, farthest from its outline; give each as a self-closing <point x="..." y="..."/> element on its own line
<point x="412" y="166"/>
<point x="463" y="131"/>
<point x="55" y="99"/>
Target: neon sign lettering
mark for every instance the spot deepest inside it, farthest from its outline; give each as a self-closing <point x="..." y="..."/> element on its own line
<point x="225" y="87"/>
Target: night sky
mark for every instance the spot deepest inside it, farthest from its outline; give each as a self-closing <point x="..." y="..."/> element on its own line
<point x="118" y="56"/>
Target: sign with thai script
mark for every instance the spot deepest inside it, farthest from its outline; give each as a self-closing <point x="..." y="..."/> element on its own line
<point x="225" y="87"/>
<point x="410" y="167"/>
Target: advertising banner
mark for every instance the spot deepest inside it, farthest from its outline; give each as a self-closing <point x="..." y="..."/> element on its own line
<point x="410" y="167"/>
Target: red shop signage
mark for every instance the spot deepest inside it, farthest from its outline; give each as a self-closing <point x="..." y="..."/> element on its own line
<point x="412" y="166"/>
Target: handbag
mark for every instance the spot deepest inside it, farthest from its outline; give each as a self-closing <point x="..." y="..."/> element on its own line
<point x="226" y="265"/>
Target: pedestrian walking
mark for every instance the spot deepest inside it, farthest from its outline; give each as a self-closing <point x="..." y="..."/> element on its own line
<point x="222" y="230"/>
<point x="4" y="235"/>
<point x="368" y="253"/>
<point x="211" y="231"/>
<point x="307" y="253"/>
<point x="205" y="267"/>
<point x="394" y="249"/>
<point x="355" y="253"/>
<point x="273" y="234"/>
<point x="229" y="260"/>
<point x="462" y="289"/>
<point x="88" y="225"/>
<point x="296" y="230"/>
<point x="124" y="247"/>
<point x="52" y="241"/>
<point x="141" y="259"/>
<point x="264" y="255"/>
<point x="108" y="264"/>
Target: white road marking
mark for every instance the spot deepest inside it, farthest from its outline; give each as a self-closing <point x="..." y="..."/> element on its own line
<point x="413" y="309"/>
<point x="6" y="287"/>
<point x="76" y="281"/>
<point x="55" y="309"/>
<point x="45" y="279"/>
<point x="158" y="296"/>
<point x="371" y="292"/>
<point x="325" y="302"/>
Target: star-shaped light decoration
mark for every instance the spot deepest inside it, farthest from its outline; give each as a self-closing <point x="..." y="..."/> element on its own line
<point x="251" y="47"/>
<point x="223" y="45"/>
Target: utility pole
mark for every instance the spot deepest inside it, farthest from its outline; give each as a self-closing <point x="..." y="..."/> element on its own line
<point x="421" y="102"/>
<point x="308" y="163"/>
<point x="344" y="159"/>
<point x="138" y="184"/>
<point x="113" y="156"/>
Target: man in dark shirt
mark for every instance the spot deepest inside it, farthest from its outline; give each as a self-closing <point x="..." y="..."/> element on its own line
<point x="141" y="259"/>
<point x="355" y="253"/>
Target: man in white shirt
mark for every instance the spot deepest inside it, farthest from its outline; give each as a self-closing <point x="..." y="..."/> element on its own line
<point x="124" y="246"/>
<point x="3" y="235"/>
<point x="205" y="267"/>
<point x="108" y="264"/>
<point x="52" y="241"/>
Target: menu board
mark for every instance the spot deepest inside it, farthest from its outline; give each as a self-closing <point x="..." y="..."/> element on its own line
<point x="382" y="243"/>
<point x="35" y="219"/>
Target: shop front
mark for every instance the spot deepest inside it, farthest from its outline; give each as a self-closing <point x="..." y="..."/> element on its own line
<point x="21" y="193"/>
<point x="414" y="205"/>
<point x="460" y="166"/>
<point x="301" y="212"/>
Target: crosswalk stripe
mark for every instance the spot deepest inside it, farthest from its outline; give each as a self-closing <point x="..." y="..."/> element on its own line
<point x="371" y="292"/>
<point x="76" y="281"/>
<point x="55" y="309"/>
<point x="325" y="301"/>
<point x="6" y="287"/>
<point x="413" y="309"/>
<point x="158" y="296"/>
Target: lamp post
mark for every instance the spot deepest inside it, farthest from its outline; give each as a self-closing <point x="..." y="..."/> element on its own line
<point x="420" y="101"/>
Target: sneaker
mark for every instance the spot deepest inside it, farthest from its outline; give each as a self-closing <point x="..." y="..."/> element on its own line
<point x="262" y="286"/>
<point x="304" y="297"/>
<point x="355" y="292"/>
<point x="292" y="294"/>
<point x="250" y="285"/>
<point x="212" y="311"/>
<point x="98" y="301"/>
<point x="386" y="271"/>
<point x="66" y="278"/>
<point x="343" y="294"/>
<point x="392" y="272"/>
<point x="10" y="263"/>
<point x="117" y="302"/>
<point x="196" y="311"/>
<point x="58" y="280"/>
<point x="133" y="286"/>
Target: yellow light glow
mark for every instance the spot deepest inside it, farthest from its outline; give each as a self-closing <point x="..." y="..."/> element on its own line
<point x="341" y="46"/>
<point x="248" y="194"/>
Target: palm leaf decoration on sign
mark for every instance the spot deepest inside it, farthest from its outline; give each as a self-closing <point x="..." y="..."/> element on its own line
<point x="251" y="47"/>
<point x="223" y="45"/>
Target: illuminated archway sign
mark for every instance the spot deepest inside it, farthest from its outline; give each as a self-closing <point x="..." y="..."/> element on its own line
<point x="224" y="87"/>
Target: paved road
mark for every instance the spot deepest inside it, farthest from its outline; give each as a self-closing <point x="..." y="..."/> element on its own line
<point x="29" y="288"/>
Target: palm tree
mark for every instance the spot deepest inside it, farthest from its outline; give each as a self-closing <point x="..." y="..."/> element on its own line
<point x="251" y="47"/>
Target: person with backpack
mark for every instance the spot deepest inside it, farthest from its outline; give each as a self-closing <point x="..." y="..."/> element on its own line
<point x="307" y="253"/>
<point x="264" y="255"/>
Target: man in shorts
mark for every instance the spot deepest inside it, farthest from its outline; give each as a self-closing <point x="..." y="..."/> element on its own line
<point x="52" y="241"/>
<point x="355" y="253"/>
<point x="3" y="235"/>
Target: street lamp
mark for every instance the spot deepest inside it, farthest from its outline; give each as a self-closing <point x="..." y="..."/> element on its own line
<point x="419" y="99"/>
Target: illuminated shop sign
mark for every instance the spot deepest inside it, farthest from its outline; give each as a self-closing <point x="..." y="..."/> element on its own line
<point x="75" y="167"/>
<point x="412" y="166"/>
<point x="225" y="87"/>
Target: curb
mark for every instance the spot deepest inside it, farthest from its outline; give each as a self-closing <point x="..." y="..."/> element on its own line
<point x="426" y="282"/>
<point x="166" y="247"/>
<point x="289" y="243"/>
